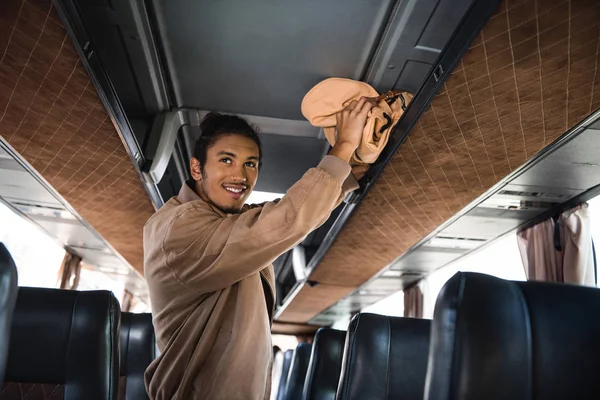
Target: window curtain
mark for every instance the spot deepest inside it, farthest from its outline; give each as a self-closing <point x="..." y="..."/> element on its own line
<point x="128" y="301"/>
<point x="70" y="271"/>
<point x="560" y="249"/>
<point x="413" y="302"/>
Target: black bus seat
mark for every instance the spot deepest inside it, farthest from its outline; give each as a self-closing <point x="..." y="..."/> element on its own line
<point x="285" y="370"/>
<point x="8" y="297"/>
<point x="138" y="350"/>
<point x="297" y="373"/>
<point x="325" y="365"/>
<point x="384" y="358"/>
<point x="64" y="344"/>
<point x="496" y="339"/>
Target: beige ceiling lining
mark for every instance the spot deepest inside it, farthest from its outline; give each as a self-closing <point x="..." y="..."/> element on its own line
<point x="51" y="115"/>
<point x="311" y="297"/>
<point x="527" y="78"/>
<point x="280" y="328"/>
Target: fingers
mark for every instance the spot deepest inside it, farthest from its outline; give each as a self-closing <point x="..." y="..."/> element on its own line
<point x="357" y="109"/>
<point x="351" y="106"/>
<point x="366" y="107"/>
<point x="359" y="105"/>
<point x="362" y="106"/>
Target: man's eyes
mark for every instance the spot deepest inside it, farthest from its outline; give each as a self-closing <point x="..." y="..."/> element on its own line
<point x="227" y="160"/>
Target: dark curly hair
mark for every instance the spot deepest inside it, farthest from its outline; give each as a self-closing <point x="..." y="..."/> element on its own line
<point x="216" y="125"/>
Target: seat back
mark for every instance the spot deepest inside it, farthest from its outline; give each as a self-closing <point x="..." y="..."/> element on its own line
<point x="64" y="345"/>
<point x="138" y="350"/>
<point x="8" y="297"/>
<point x="285" y="370"/>
<point x="297" y="374"/>
<point x="384" y="358"/>
<point x="496" y="339"/>
<point x="325" y="364"/>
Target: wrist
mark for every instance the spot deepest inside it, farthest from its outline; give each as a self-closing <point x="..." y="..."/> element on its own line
<point x="343" y="150"/>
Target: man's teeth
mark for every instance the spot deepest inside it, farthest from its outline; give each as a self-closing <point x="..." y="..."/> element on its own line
<point x="234" y="190"/>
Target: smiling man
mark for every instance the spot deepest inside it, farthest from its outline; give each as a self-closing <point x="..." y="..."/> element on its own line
<point x="207" y="259"/>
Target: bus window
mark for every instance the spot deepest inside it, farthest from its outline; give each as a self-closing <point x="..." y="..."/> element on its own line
<point x="392" y="306"/>
<point x="500" y="259"/>
<point x="37" y="256"/>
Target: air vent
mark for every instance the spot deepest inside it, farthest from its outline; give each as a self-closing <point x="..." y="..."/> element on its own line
<point x="540" y="195"/>
<point x="403" y="275"/>
<point x="43" y="210"/>
<point x="374" y="292"/>
<point x="392" y="274"/>
<point x="527" y="205"/>
<point x="503" y="203"/>
<point x="454" y="242"/>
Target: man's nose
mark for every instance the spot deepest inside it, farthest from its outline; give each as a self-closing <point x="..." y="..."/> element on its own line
<point x="240" y="175"/>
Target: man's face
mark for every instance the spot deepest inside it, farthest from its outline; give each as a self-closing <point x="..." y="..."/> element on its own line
<point x="230" y="172"/>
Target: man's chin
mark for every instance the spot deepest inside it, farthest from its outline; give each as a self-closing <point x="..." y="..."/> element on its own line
<point x="230" y="209"/>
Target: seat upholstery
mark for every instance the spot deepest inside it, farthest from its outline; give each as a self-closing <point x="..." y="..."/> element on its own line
<point x="64" y="344"/>
<point x="384" y="358"/>
<point x="138" y="350"/>
<point x="297" y="374"/>
<point x="8" y="297"/>
<point x="496" y="339"/>
<point x="285" y="369"/>
<point x="325" y="365"/>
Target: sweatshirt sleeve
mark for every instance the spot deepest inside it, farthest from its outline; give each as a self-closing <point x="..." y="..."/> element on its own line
<point x="210" y="253"/>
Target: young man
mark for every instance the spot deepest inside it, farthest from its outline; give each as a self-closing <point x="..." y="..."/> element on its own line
<point x="207" y="259"/>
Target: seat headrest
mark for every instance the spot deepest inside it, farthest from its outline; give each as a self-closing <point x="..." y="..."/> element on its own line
<point x="297" y="373"/>
<point x="496" y="339"/>
<point x="8" y="298"/>
<point x="66" y="337"/>
<point x="138" y="350"/>
<point x="384" y="358"/>
<point x="138" y="343"/>
<point x="285" y="370"/>
<point x="325" y="365"/>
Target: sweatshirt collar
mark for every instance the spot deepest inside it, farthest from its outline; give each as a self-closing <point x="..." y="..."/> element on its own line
<point x="188" y="194"/>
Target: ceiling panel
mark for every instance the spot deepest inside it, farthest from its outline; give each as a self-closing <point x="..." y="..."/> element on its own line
<point x="262" y="59"/>
<point x="68" y="232"/>
<point x="419" y="30"/>
<point x="537" y="193"/>
<point x="482" y="227"/>
<point x="426" y="259"/>
<point x="383" y="285"/>
<point x="20" y="186"/>
<point x="492" y="214"/>
<point x="576" y="165"/>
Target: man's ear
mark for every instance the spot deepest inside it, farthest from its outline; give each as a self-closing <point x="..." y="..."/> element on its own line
<point x="195" y="169"/>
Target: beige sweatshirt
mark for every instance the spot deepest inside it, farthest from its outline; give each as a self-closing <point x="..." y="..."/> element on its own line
<point x="212" y="285"/>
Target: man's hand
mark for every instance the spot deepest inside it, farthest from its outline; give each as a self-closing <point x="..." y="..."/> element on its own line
<point x="351" y="122"/>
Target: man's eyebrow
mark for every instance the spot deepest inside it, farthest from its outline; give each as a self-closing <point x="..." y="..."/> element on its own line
<point x="253" y="158"/>
<point x="226" y="153"/>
